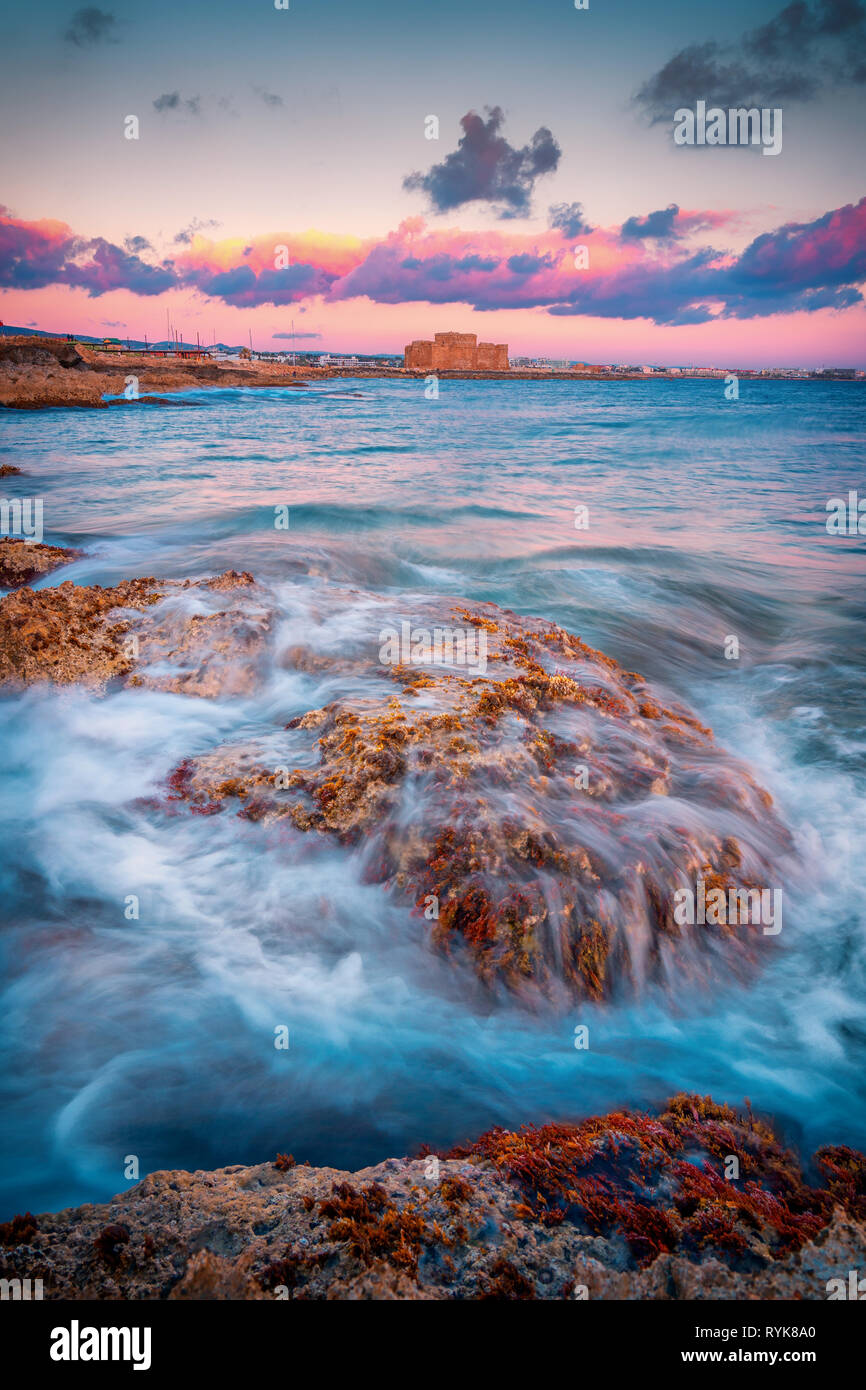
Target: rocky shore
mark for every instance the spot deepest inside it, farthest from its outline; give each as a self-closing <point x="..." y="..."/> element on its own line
<point x="41" y="373"/>
<point x="534" y="819"/>
<point x="627" y="1206"/>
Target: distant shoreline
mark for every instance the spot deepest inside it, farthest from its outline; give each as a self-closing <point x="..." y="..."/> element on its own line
<point x="45" y="373"/>
<point x="535" y="374"/>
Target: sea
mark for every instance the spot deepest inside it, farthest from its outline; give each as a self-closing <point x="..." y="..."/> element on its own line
<point x="658" y="520"/>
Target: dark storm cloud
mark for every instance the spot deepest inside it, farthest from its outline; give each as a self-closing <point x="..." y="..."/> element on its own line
<point x="567" y="218"/>
<point x="790" y="33"/>
<point x="34" y="254"/>
<point x="91" y="26"/>
<point x="660" y="224"/>
<point x="806" y="265"/>
<point x="243" y="288"/>
<point x="32" y="257"/>
<point x="108" y="267"/>
<point x="798" y="53"/>
<point x="704" y="71"/>
<point x="486" y="168"/>
<point x="799" y="267"/>
<point x="525" y="264"/>
<point x="473" y="262"/>
<point x="442" y="267"/>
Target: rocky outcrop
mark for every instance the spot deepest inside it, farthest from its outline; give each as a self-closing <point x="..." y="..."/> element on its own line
<point x="625" y="1206"/>
<point x="49" y="387"/>
<point x="23" y="561"/>
<point x="91" y="635"/>
<point x="42" y="373"/>
<point x="40" y="352"/>
<point x="39" y="372"/>
<point x="70" y="634"/>
<point x="535" y="814"/>
<point x="539" y="817"/>
<point x="221" y="651"/>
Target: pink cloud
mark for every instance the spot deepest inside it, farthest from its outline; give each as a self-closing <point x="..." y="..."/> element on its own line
<point x="649" y="273"/>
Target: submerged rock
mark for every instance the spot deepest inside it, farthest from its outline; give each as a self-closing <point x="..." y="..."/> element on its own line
<point x="123" y="402"/>
<point x="624" y="1206"/>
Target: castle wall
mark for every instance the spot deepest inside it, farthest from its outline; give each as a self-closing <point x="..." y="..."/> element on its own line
<point x="456" y="352"/>
<point x="492" y="357"/>
<point x="419" y="355"/>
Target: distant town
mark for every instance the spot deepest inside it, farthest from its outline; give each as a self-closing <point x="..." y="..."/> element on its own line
<point x="446" y="353"/>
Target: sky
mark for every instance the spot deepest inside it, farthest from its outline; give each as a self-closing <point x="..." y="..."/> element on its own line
<point x="283" y="184"/>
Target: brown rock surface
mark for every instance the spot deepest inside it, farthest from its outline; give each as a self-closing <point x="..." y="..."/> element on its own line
<point x="204" y="654"/>
<point x="40" y="372"/>
<point x="22" y="561"/>
<point x="626" y="1206"/>
<point x="68" y="634"/>
<point x="90" y="635"/>
<point x="23" y="351"/>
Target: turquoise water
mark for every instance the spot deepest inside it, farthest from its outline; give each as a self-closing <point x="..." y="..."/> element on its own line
<point x="155" y="1038"/>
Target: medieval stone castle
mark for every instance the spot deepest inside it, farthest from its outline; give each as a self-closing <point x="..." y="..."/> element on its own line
<point x="456" y="352"/>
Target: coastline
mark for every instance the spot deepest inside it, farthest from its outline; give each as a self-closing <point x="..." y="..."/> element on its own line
<point x="697" y="1201"/>
<point x="53" y="374"/>
<point x="477" y="1231"/>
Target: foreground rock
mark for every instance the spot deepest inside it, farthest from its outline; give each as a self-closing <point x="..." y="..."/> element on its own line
<point x="23" y="561"/>
<point x="628" y="1206"/>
